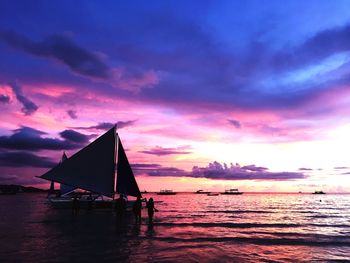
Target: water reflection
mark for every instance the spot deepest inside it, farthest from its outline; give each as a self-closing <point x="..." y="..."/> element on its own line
<point x="240" y="228"/>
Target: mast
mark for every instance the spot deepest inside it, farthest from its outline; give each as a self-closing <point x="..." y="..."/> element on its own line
<point x="115" y="159"/>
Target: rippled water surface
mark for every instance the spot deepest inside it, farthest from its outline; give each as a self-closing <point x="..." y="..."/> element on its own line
<point x="187" y="228"/>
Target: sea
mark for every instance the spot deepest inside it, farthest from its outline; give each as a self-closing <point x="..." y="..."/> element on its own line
<point x="188" y="227"/>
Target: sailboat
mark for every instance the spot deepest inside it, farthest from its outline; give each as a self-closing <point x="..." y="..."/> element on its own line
<point x="94" y="169"/>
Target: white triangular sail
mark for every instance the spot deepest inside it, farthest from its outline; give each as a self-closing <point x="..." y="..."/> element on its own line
<point x="126" y="183"/>
<point x="92" y="168"/>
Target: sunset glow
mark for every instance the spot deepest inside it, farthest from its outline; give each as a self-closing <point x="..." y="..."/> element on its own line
<point x="207" y="95"/>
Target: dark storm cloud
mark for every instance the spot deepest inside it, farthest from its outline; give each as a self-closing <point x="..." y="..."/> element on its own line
<point x="160" y="151"/>
<point x="26" y="138"/>
<point x="62" y="49"/>
<point x="72" y="114"/>
<point x="218" y="171"/>
<point x="4" y="99"/>
<point x="29" y="107"/>
<point x="235" y="123"/>
<point x="24" y="159"/>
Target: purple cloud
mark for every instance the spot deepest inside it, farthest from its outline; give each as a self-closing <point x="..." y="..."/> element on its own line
<point x="108" y="125"/>
<point x="62" y="49"/>
<point x="305" y="169"/>
<point x="160" y="151"/>
<point x="76" y="137"/>
<point x="72" y="114"/>
<point x="4" y="99"/>
<point x="29" y="107"/>
<point x="235" y="123"/>
<point x="218" y="171"/>
<point x="24" y="159"/>
<point x="254" y="168"/>
<point x="26" y="138"/>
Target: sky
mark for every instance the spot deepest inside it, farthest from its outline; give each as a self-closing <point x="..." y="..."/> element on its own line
<point x="205" y="94"/>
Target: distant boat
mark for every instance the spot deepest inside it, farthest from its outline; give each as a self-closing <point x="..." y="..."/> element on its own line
<point x="232" y="192"/>
<point x="166" y="192"/>
<point x="212" y="194"/>
<point x="201" y="192"/>
<point x="94" y="168"/>
<point x="319" y="193"/>
<point x="144" y="192"/>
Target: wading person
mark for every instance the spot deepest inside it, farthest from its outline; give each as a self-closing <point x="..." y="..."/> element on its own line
<point x="75" y="205"/>
<point x="151" y="209"/>
<point x="120" y="207"/>
<point x="137" y="210"/>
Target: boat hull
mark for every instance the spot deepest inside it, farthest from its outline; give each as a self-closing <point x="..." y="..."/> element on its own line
<point x="61" y="203"/>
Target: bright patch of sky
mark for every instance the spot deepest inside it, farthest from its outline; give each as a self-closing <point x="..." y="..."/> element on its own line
<point x="294" y="80"/>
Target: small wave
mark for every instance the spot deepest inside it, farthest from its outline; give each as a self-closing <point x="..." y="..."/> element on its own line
<point x="261" y="241"/>
<point x="230" y="225"/>
<point x="324" y="216"/>
<point x="239" y="211"/>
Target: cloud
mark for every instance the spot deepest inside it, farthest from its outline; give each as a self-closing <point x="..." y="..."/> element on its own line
<point x="24" y="159"/>
<point x="305" y="169"/>
<point x="341" y="167"/>
<point x="235" y="123"/>
<point x="8" y="178"/>
<point x="108" y="125"/>
<point x="72" y="114"/>
<point x="4" y="99"/>
<point x="29" y="107"/>
<point x="160" y="151"/>
<point x="158" y="170"/>
<point x="218" y="171"/>
<point x="26" y="138"/>
<point x="73" y="136"/>
<point x="62" y="49"/>
<point x="79" y="60"/>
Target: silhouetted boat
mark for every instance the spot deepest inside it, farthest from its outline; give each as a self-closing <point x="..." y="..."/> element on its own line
<point x="93" y="169"/>
<point x="232" y="192"/>
<point x="166" y="192"/>
<point x="319" y="193"/>
<point x="201" y="192"/>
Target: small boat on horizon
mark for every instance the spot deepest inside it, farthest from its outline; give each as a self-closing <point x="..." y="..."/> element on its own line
<point x="318" y="193"/>
<point x="202" y="192"/>
<point x="212" y="194"/>
<point x="166" y="192"/>
<point x="232" y="192"/>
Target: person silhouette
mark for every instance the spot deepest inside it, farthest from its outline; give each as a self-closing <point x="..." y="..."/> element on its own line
<point x="75" y="205"/>
<point x="137" y="210"/>
<point x="120" y="207"/>
<point x="151" y="209"/>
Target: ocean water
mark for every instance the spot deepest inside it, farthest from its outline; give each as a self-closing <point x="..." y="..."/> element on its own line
<point x="187" y="228"/>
